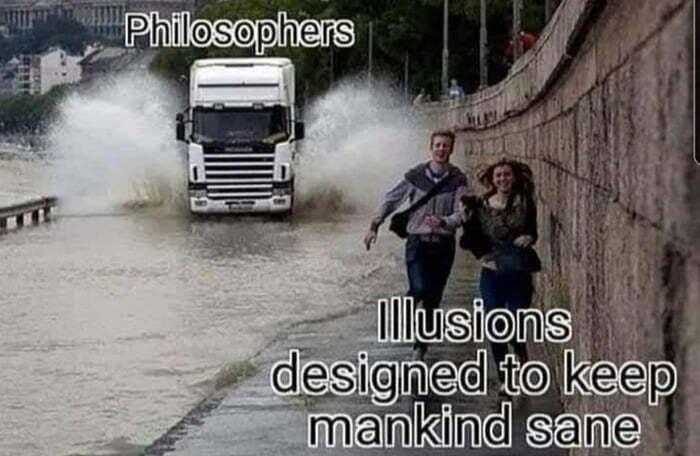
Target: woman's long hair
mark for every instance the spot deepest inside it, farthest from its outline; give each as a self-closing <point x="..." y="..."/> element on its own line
<point x="523" y="183"/>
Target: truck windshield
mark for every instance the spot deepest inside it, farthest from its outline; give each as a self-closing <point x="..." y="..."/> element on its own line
<point x="240" y="124"/>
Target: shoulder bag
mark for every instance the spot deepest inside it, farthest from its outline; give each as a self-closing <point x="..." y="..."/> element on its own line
<point x="511" y="258"/>
<point x="399" y="221"/>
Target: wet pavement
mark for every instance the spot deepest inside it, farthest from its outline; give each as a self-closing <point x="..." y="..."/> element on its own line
<point x="251" y="420"/>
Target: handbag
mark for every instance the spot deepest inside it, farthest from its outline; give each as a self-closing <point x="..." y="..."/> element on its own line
<point x="399" y="224"/>
<point x="473" y="238"/>
<point x="511" y="258"/>
<point x="399" y="221"/>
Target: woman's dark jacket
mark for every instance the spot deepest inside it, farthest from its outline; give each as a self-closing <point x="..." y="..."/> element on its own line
<point x="487" y="227"/>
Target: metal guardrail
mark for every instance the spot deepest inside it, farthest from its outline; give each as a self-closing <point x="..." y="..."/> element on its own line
<point x="33" y="207"/>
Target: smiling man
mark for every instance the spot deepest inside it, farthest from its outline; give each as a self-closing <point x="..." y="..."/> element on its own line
<point x="430" y="246"/>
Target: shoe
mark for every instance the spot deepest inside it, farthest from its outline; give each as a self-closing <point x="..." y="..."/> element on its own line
<point x="419" y="353"/>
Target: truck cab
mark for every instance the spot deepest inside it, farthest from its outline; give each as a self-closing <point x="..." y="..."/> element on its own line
<point x="241" y="128"/>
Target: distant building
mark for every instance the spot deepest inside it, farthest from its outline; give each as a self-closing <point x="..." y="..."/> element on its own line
<point x="103" y="61"/>
<point x="101" y="17"/>
<point x="37" y="74"/>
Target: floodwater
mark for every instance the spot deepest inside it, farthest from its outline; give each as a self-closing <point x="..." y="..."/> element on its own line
<point x="124" y="312"/>
<point x="20" y="171"/>
<point x="115" y="326"/>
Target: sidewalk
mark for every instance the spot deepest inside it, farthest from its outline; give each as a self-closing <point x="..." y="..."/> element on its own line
<point x="252" y="420"/>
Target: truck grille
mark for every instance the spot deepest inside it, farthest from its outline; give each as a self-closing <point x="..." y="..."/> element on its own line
<point x="239" y="172"/>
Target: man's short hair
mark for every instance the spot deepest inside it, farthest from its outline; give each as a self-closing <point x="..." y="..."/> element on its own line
<point x="446" y="134"/>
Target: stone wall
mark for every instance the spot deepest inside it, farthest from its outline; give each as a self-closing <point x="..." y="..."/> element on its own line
<point x="602" y="110"/>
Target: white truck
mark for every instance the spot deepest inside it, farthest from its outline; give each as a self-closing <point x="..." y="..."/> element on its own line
<point x="241" y="129"/>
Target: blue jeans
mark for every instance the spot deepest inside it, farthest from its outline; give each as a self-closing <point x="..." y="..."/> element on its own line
<point x="506" y="290"/>
<point x="428" y="265"/>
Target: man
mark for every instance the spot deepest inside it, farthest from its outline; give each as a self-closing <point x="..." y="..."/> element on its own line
<point x="430" y="247"/>
<point x="455" y="92"/>
<point x="527" y="41"/>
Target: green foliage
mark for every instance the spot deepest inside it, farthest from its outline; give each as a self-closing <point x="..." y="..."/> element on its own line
<point x="62" y="32"/>
<point x="7" y="48"/>
<point x="234" y="373"/>
<point x="30" y="113"/>
<point x="58" y="31"/>
<point x="401" y="29"/>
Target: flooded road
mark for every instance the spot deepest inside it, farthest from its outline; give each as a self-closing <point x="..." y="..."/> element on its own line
<point x="124" y="312"/>
<point x="115" y="326"/>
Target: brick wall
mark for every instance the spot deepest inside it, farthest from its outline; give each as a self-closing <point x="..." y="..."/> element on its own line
<point x="602" y="110"/>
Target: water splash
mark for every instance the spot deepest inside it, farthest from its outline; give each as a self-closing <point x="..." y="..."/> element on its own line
<point x="359" y="142"/>
<point x="113" y="147"/>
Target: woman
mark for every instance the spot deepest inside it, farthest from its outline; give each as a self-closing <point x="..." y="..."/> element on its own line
<point x="500" y="232"/>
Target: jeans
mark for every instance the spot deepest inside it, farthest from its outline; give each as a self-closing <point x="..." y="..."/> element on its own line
<point x="428" y="265"/>
<point x="506" y="290"/>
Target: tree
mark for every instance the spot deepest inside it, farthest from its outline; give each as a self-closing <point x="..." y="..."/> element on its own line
<point x="400" y="27"/>
<point x="30" y="113"/>
<point x="62" y="32"/>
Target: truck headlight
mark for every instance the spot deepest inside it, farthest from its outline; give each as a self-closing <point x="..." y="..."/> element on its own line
<point x="281" y="188"/>
<point x="198" y="193"/>
<point x="280" y="191"/>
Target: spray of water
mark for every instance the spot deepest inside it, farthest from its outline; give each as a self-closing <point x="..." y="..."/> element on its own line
<point x="113" y="147"/>
<point x="359" y="141"/>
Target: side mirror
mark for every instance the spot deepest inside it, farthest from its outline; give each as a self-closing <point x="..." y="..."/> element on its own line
<point x="179" y="127"/>
<point x="298" y="130"/>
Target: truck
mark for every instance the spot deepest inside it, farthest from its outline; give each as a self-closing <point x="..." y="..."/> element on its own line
<point x="241" y="128"/>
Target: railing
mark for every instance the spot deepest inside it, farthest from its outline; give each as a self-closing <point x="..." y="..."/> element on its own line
<point x="33" y="207"/>
<point x="528" y="79"/>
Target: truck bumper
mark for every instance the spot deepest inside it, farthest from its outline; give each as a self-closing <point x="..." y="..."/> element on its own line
<point x="276" y="204"/>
